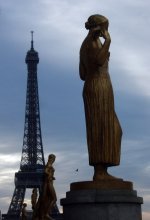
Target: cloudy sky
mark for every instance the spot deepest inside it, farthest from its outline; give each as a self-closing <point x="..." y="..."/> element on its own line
<point x="59" y="32"/>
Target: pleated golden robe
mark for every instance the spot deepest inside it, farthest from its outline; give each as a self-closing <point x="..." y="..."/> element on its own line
<point x="102" y="125"/>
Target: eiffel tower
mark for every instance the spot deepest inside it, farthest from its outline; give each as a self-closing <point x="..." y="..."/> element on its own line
<point x="32" y="163"/>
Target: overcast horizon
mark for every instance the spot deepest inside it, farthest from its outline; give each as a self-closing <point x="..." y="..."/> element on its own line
<point x="58" y="33"/>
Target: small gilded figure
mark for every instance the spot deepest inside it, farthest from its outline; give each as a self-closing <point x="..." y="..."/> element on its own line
<point x="47" y="199"/>
<point x="49" y="194"/>
<point x="102" y="125"/>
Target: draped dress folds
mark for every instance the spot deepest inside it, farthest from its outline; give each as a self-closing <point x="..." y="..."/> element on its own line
<point x="102" y="125"/>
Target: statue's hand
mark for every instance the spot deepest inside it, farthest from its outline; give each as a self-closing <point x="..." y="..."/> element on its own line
<point x="105" y="34"/>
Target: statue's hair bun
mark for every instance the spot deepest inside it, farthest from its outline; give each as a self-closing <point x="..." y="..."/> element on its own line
<point x="87" y="25"/>
<point x="95" y="20"/>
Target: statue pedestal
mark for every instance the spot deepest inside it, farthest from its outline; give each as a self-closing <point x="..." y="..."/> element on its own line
<point x="101" y="203"/>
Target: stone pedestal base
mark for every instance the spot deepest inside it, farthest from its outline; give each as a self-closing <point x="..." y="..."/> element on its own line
<point x="102" y="204"/>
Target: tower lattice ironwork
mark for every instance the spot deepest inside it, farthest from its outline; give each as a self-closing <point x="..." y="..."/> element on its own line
<point x="32" y="163"/>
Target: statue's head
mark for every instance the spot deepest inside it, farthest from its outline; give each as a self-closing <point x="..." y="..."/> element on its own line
<point x="96" y="20"/>
<point x="34" y="190"/>
<point x="51" y="158"/>
<point x="24" y="204"/>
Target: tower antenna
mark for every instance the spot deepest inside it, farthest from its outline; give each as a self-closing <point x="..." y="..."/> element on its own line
<point x="32" y="39"/>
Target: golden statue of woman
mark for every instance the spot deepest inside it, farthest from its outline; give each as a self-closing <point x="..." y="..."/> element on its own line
<point x="102" y="125"/>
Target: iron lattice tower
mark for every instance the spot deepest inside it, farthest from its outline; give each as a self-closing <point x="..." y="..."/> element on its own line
<point x="32" y="163"/>
<point x="32" y="151"/>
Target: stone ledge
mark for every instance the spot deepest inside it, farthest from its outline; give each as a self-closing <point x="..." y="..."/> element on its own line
<point x="101" y="196"/>
<point x="118" y="184"/>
